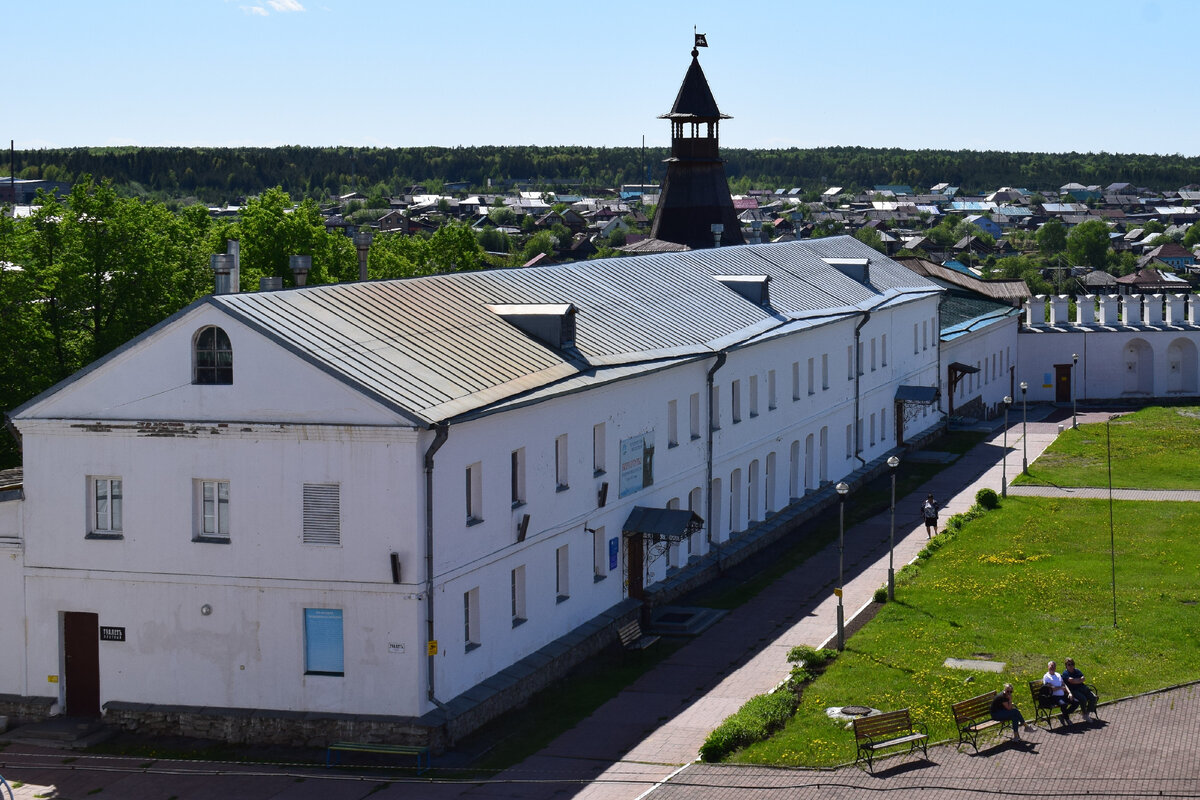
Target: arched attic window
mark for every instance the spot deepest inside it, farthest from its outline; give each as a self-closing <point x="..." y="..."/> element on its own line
<point x="212" y="361"/>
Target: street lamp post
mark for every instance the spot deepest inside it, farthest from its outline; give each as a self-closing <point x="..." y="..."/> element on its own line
<point x="1112" y="539"/>
<point x="842" y="489"/>
<point x="1004" y="458"/>
<point x="1074" y="390"/>
<point x="892" y="462"/>
<point x="1024" y="430"/>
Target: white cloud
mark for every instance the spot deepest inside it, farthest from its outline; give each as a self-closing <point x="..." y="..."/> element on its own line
<point x="258" y="11"/>
<point x="285" y="5"/>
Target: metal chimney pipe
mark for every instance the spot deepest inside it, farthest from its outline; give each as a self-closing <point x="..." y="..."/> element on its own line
<point x="222" y="267"/>
<point x="301" y="266"/>
<point x="362" y="241"/>
<point x="233" y="248"/>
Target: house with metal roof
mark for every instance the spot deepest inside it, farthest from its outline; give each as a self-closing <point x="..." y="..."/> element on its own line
<point x="402" y="503"/>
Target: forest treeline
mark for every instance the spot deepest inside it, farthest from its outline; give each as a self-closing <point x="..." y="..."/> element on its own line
<point x="217" y="175"/>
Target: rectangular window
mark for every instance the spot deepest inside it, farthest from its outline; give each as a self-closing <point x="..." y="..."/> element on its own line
<point x="754" y="395"/>
<point x="106" y="501"/>
<point x="883" y="424"/>
<point x="471" y="619"/>
<point x="924" y="335"/>
<point x="517" y="476"/>
<point x="212" y="510"/>
<point x="562" y="586"/>
<point x="599" y="554"/>
<point x="322" y="513"/>
<point x="812" y="376"/>
<point x="694" y="415"/>
<point x="771" y="404"/>
<point x="323" y="642"/>
<point x="560" y="463"/>
<point x="672" y="423"/>
<point x="915" y="348"/>
<point x="883" y="350"/>
<point x="796" y="378"/>
<point x="599" y="460"/>
<point x="849" y="362"/>
<point x="715" y="400"/>
<point x="735" y="408"/>
<point x="871" y="429"/>
<point x="474" y="487"/>
<point x="872" y="355"/>
<point x="518" y="596"/>
<point x="824" y="371"/>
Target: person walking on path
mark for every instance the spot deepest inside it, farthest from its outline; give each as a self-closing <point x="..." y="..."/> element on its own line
<point x="929" y="512"/>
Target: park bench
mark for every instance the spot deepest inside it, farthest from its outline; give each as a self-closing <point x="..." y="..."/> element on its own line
<point x="889" y="729"/>
<point x="1046" y="707"/>
<point x="973" y="717"/>
<point x="334" y="751"/>
<point x="632" y="637"/>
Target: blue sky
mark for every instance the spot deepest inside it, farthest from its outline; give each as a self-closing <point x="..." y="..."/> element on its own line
<point x="1048" y="76"/>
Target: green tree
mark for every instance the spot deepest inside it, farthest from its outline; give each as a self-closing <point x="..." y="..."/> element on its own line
<point x="1052" y="237"/>
<point x="871" y="238"/>
<point x="1087" y="243"/>
<point x="1192" y="237"/>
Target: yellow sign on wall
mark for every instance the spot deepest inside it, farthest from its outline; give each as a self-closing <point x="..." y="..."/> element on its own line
<point x="51" y="679"/>
<point x="432" y="647"/>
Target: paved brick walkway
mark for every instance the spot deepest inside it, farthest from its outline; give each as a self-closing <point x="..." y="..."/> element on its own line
<point x="645" y="740"/>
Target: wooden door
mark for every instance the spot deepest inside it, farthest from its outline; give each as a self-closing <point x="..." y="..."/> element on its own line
<point x="1062" y="383"/>
<point x="81" y="647"/>
<point x="636" y="564"/>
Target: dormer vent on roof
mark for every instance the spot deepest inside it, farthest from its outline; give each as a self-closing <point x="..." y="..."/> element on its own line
<point x="858" y="269"/>
<point x="755" y="288"/>
<point x="552" y="324"/>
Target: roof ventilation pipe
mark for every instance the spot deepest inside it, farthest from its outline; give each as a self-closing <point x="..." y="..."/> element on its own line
<point x="300" y="266"/>
<point x="222" y="267"/>
<point x="362" y="243"/>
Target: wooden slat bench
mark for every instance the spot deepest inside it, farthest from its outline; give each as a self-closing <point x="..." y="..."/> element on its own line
<point x="334" y="751"/>
<point x="889" y="729"/>
<point x="632" y="637"/>
<point x="1044" y="708"/>
<point x="973" y="717"/>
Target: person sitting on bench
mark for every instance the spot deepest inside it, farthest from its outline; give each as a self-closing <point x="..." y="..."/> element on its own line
<point x="1004" y="710"/>
<point x="1055" y="692"/>
<point x="1079" y="690"/>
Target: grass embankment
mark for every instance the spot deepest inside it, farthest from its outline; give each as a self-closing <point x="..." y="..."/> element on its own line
<point x="1150" y="450"/>
<point x="1022" y="584"/>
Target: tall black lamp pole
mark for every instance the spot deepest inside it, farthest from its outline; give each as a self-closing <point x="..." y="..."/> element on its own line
<point x="842" y="489"/>
<point x="892" y="462"/>
<point x="1024" y="430"/>
<point x="1004" y="459"/>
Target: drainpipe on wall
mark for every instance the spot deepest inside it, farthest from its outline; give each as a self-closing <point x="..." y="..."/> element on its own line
<point x="708" y="461"/>
<point x="440" y="434"/>
<point x="857" y="379"/>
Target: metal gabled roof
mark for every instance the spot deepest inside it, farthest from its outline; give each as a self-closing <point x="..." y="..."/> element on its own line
<point x="432" y="348"/>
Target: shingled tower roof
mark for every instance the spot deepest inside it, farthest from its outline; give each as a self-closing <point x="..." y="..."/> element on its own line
<point x="695" y="99"/>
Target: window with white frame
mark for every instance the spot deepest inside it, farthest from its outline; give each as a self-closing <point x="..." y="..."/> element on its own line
<point x="824" y="371"/>
<point x="560" y="463"/>
<point x="322" y="509"/>
<point x="517" y="476"/>
<point x="562" y="575"/>
<point x="872" y="354"/>
<point x="754" y="395"/>
<point x="212" y="510"/>
<point x="812" y="385"/>
<point x="735" y="395"/>
<point x="518" y="595"/>
<point x="796" y="379"/>
<point x="599" y="457"/>
<point x="471" y="619"/>
<point x="474" y="493"/>
<point x="672" y="423"/>
<point x="915" y="348"/>
<point x="771" y="402"/>
<point x="599" y="554"/>
<point x="694" y="415"/>
<point x="849" y="362"/>
<point x="105" y="508"/>
<point x="323" y="647"/>
<point x="883" y="350"/>
<point x="715" y="401"/>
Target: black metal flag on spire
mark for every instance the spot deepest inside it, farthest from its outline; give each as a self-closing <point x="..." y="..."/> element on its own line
<point x="701" y="41"/>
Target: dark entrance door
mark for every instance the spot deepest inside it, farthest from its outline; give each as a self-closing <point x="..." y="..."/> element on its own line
<point x="1062" y="383"/>
<point x="635" y="553"/>
<point x="81" y="646"/>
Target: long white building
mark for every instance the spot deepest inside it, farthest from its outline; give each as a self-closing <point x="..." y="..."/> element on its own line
<point x="371" y="498"/>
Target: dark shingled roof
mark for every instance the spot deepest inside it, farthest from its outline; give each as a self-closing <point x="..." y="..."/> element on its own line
<point x="695" y="99"/>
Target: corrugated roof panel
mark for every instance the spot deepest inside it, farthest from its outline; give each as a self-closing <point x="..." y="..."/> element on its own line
<point x="433" y="347"/>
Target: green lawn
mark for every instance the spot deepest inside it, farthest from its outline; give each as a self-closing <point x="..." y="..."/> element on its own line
<point x="1147" y="446"/>
<point x="1022" y="584"/>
